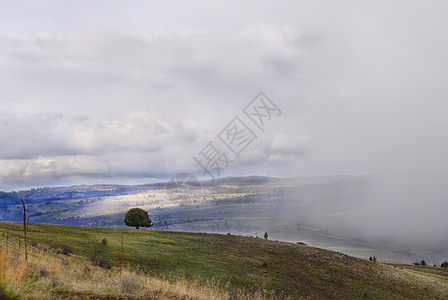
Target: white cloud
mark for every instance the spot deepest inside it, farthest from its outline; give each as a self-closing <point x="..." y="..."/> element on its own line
<point x="147" y="89"/>
<point x="50" y="167"/>
<point x="287" y="145"/>
<point x="155" y="92"/>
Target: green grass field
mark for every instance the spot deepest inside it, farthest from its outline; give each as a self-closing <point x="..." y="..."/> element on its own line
<point x="238" y="263"/>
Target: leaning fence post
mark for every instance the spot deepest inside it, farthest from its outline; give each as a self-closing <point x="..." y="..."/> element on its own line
<point x="24" y="228"/>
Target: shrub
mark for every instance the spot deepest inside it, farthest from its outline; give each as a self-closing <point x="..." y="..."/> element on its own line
<point x="105" y="264"/>
<point x="43" y="272"/>
<point x="129" y="285"/>
<point x="104" y="242"/>
<point x="55" y="282"/>
<point x="66" y="250"/>
<point x="94" y="260"/>
<point x="368" y="296"/>
<point x="423" y="263"/>
<point x="100" y="262"/>
<point x="444" y="264"/>
<point x="87" y="271"/>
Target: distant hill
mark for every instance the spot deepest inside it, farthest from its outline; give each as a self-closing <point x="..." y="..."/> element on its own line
<point x="309" y="209"/>
<point x="42" y="199"/>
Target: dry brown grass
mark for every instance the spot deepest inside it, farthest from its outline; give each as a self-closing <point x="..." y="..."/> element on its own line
<point x="48" y="275"/>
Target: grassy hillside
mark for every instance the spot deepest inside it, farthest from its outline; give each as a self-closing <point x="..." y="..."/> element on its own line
<point x="237" y="263"/>
<point x="290" y="209"/>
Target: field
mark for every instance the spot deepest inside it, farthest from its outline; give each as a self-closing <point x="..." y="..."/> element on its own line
<point x="226" y="266"/>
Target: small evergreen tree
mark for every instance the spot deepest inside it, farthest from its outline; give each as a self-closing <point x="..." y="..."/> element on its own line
<point x="423" y="263"/>
<point x="444" y="264"/>
<point x="137" y="217"/>
<point x="104" y="242"/>
<point x="266" y="236"/>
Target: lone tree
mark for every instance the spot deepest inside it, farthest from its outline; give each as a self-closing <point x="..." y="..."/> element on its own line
<point x="137" y="217"/>
<point x="266" y="236"/>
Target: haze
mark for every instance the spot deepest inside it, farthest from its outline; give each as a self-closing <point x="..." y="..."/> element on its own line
<point x="129" y="92"/>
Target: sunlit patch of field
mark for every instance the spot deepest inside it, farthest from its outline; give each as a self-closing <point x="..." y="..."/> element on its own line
<point x="100" y="206"/>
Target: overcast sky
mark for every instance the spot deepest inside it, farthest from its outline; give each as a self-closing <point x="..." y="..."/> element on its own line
<point x="131" y="91"/>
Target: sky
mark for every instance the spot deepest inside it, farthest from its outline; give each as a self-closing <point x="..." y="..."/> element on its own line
<point x="131" y="91"/>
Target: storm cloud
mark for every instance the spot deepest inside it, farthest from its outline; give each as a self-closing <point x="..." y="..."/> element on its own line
<point x="130" y="92"/>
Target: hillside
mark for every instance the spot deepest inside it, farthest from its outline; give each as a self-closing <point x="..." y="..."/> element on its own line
<point x="232" y="264"/>
<point x="309" y="209"/>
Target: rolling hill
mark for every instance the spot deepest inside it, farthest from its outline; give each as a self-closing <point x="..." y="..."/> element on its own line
<point x="226" y="266"/>
<point x="309" y="209"/>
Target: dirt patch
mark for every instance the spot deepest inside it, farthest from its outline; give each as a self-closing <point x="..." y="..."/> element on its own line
<point x="4" y="297"/>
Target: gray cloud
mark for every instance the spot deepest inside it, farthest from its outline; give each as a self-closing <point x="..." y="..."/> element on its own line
<point x="286" y="145"/>
<point x="121" y="92"/>
<point x="93" y="94"/>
